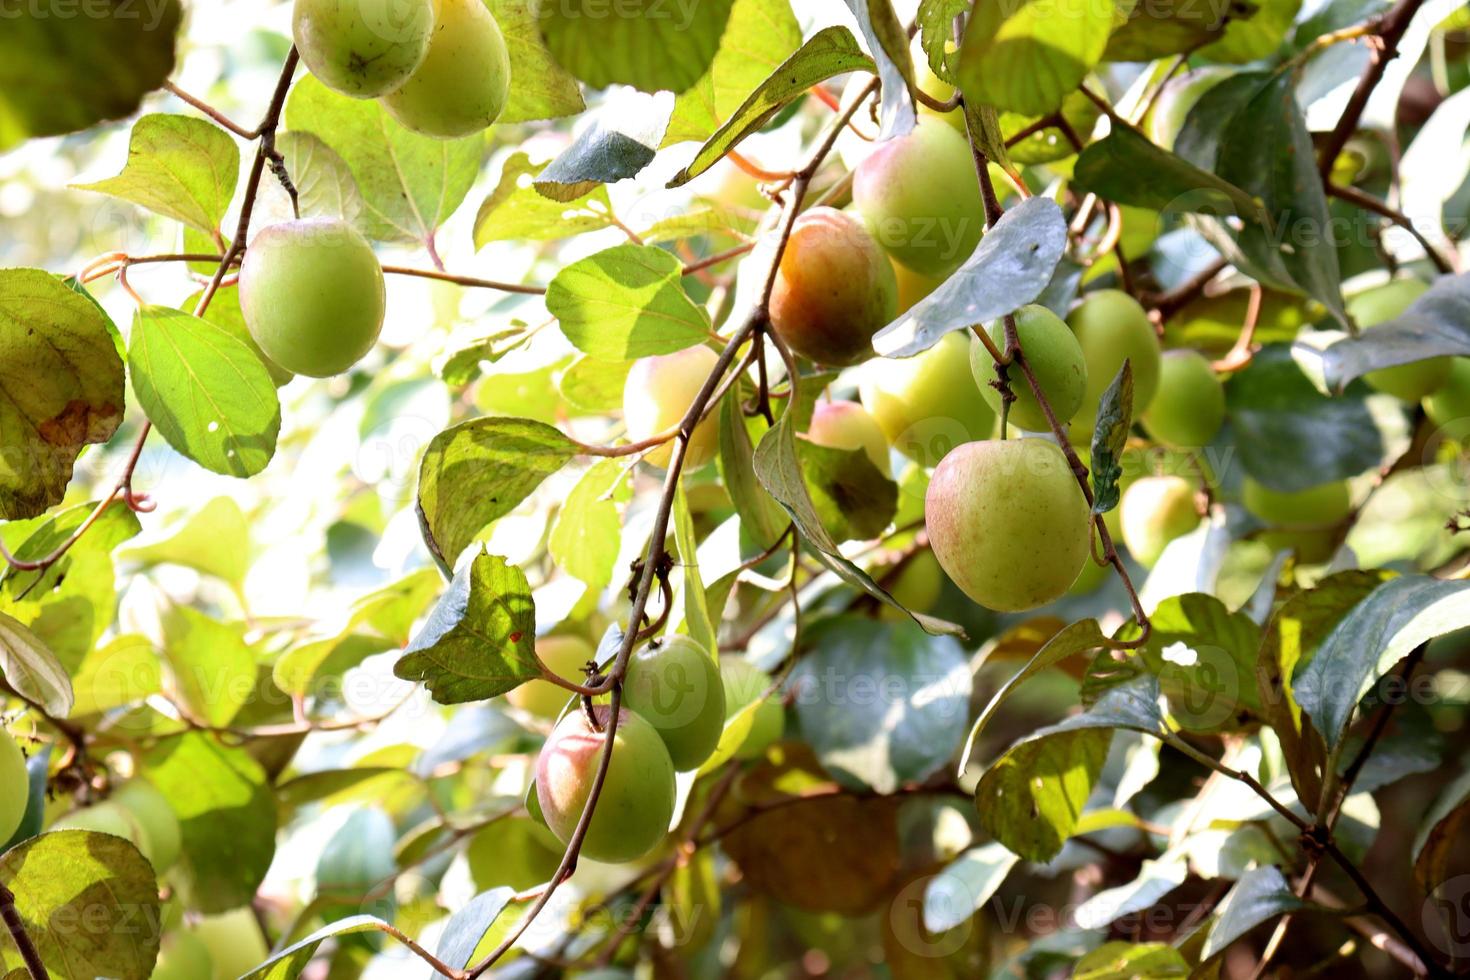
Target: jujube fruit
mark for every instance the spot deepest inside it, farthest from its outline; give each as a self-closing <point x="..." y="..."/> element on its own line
<point x="313" y="296"/>
<point x="920" y="198"/>
<point x="637" y="798"/>
<point x="1451" y="401"/>
<point x="234" y="942"/>
<point x="847" y="425"/>
<point x="1319" y="506"/>
<point x="564" y="656"/>
<point x="929" y="403"/>
<point x="1008" y="522"/>
<point x="1412" y="381"/>
<point x="834" y="289"/>
<point x="462" y="84"/>
<point x="1054" y="356"/>
<point x="1156" y="510"/>
<point x="182" y="956"/>
<point x="744" y="684"/>
<point x="675" y="686"/>
<point x="1111" y="326"/>
<point x="362" y="48"/>
<point x="657" y="396"/>
<point x="1189" y="406"/>
<point x="15" y="786"/>
<point x="156" y="820"/>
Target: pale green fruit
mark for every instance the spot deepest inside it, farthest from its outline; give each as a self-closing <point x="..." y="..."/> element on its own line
<point x="564" y="656"/>
<point x="744" y="684"/>
<point x="847" y="425"/>
<point x="1008" y="522"/>
<point x="1178" y="96"/>
<point x="675" y="686"/>
<point x="637" y="798"/>
<point x="1092" y="576"/>
<point x="182" y="956"/>
<point x="15" y="786"/>
<point x="920" y="198"/>
<point x="912" y="286"/>
<point x="657" y="396"/>
<point x="1320" y="506"/>
<point x="1054" y="356"/>
<point x="1112" y="327"/>
<point x="1411" y="382"/>
<point x="362" y="48"/>
<point x="157" y="822"/>
<point x="1189" y="407"/>
<point x="1156" y="510"/>
<point x="518" y="852"/>
<point x="313" y="295"/>
<point x="1450" y="404"/>
<point x="234" y="942"/>
<point x="834" y="289"/>
<point x="464" y="80"/>
<point x="929" y="403"/>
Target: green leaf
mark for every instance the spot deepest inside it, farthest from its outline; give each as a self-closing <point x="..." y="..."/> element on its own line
<point x="88" y="901"/>
<point x="180" y="167"/>
<point x="32" y="669"/>
<point x="540" y="88"/>
<point x="127" y="53"/>
<point x="1131" y="961"/>
<point x="1435" y="324"/>
<point x="211" y="667"/>
<point x="1164" y="27"/>
<point x="831" y="51"/>
<point x="1258" y="35"/>
<point x="760" y="516"/>
<point x="516" y="211"/>
<point x="1010" y="268"/>
<point x="392" y="610"/>
<point x="588" y="532"/>
<point x="1290" y="436"/>
<point x="124" y="671"/>
<point x="1028" y="56"/>
<point x="324" y="183"/>
<point x="479" y="471"/>
<point x="936" y="20"/>
<point x="889" y="43"/>
<point x="1441" y="833"/>
<point x="410" y="184"/>
<point x="594" y="387"/>
<point x="924" y="698"/>
<point x="697" y="620"/>
<point x="854" y="500"/>
<point x="1262" y="894"/>
<point x="962" y="887"/>
<point x="480" y="640"/>
<point x="291" y="961"/>
<point x="1110" y="438"/>
<point x="213" y="540"/>
<point x="305" y="668"/>
<point x="38" y="768"/>
<point x="1030" y="800"/>
<point x="467" y="927"/>
<point x="204" y="390"/>
<point x="650" y="46"/>
<point x="624" y="136"/>
<point x="227" y="818"/>
<point x="1125" y="167"/>
<point x="62" y="381"/>
<point x="626" y="302"/>
<point x="1379" y="632"/>
<point x="760" y="35"/>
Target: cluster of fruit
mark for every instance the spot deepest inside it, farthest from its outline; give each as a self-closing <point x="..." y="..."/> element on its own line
<point x="676" y="701"/>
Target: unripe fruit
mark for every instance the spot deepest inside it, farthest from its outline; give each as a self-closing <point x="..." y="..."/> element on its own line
<point x="234" y="942"/>
<point x="657" y="396"/>
<point x="1412" y="381"/>
<point x="1178" y="96"/>
<point x="1320" y="506"/>
<point x="637" y="798"/>
<point x="1451" y="403"/>
<point x="1111" y="327"/>
<point x="1008" y="522"/>
<point x="462" y="84"/>
<point x="1054" y="356"/>
<point x="157" y="823"/>
<point x="912" y="286"/>
<point x="847" y="425"/>
<point x="1189" y="407"/>
<point x="834" y="289"/>
<point x="675" y="686"/>
<point x="1156" y="510"/>
<point x="744" y="684"/>
<point x="519" y="852"/>
<point x="182" y="956"/>
<point x="313" y="296"/>
<point x="929" y="403"/>
<point x="564" y="656"/>
<point x="920" y="198"/>
<point x="15" y="786"/>
<point x="362" y="48"/>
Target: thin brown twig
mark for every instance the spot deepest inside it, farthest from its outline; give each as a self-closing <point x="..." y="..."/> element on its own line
<point x="1368" y="203"/>
<point x="16" y="926"/>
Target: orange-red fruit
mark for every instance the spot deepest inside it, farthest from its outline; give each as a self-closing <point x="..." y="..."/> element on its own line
<point x="834" y="289"/>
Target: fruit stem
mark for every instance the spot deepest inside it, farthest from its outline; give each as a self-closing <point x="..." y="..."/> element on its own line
<point x="17" y="927"/>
